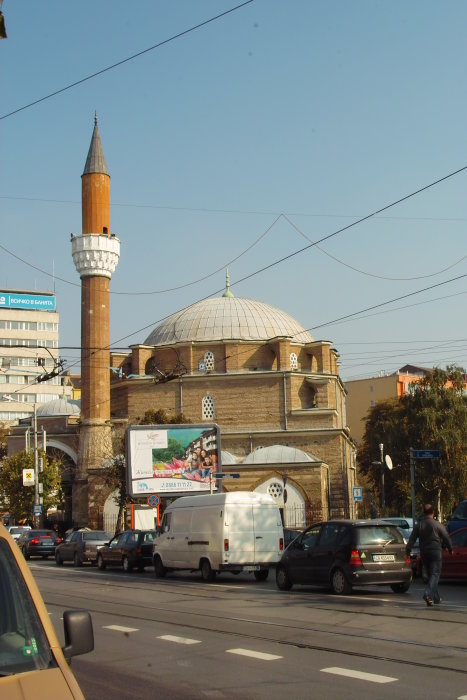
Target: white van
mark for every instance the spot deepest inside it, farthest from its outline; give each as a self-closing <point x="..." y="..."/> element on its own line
<point x="238" y="531"/>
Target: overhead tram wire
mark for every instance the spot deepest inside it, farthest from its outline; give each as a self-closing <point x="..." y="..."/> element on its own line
<point x="273" y="264"/>
<point x="311" y="245"/>
<point x="126" y="60"/>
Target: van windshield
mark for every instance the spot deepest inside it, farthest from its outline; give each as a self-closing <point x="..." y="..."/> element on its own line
<point x="23" y="643"/>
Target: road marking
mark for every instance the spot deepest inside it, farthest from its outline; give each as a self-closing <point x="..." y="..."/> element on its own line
<point x="462" y="697"/>
<point x="118" y="628"/>
<point x="179" y="640"/>
<point x="361" y="675"/>
<point x="254" y="654"/>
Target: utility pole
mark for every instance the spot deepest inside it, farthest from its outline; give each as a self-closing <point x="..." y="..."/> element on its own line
<point x="383" y="498"/>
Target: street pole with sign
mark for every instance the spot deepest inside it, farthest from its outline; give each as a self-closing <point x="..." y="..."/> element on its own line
<point x="37" y="507"/>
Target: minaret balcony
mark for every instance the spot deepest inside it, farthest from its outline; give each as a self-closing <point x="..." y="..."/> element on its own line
<point x="95" y="254"/>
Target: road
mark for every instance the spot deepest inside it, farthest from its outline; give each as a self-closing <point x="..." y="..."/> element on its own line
<point x="238" y="638"/>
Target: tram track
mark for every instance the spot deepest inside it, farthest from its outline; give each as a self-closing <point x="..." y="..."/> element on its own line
<point x="110" y="599"/>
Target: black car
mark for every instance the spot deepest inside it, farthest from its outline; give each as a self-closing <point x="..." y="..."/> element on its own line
<point x="81" y="546"/>
<point x="38" y="543"/>
<point x="129" y="549"/>
<point x="341" y="554"/>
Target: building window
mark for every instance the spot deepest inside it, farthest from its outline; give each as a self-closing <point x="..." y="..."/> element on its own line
<point x="276" y="490"/>
<point x="209" y="361"/>
<point x="208" y="407"/>
<point x="372" y="403"/>
<point x="372" y="388"/>
<point x="293" y="361"/>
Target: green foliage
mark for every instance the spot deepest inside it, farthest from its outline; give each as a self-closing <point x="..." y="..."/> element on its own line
<point x="160" y="417"/>
<point x="19" y="498"/>
<point x="433" y="416"/>
<point x="174" y="449"/>
<point x="3" y="440"/>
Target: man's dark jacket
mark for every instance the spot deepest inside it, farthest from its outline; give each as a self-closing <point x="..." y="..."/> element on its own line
<point x="431" y="537"/>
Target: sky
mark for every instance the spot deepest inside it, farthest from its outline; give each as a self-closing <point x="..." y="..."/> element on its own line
<point x="239" y="143"/>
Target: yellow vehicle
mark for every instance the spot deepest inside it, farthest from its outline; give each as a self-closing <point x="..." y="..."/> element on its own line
<point x="32" y="663"/>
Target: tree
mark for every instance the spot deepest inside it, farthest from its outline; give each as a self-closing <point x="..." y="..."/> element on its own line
<point x="19" y="498"/>
<point x="3" y="440"/>
<point x="432" y="416"/>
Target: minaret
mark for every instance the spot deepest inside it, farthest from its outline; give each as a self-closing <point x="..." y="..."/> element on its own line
<point x="95" y="254"/>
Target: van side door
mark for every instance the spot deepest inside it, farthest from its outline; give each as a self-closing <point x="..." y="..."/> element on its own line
<point x="267" y="526"/>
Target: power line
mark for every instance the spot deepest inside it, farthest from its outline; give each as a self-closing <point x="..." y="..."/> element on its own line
<point x="126" y="60"/>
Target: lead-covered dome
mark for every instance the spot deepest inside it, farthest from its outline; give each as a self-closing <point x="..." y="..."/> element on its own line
<point x="227" y="318"/>
<point x="58" y="407"/>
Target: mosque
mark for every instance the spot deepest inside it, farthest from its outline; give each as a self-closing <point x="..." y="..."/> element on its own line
<point x="273" y="390"/>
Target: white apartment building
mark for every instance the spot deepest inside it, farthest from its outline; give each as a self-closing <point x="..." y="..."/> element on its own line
<point x="28" y="350"/>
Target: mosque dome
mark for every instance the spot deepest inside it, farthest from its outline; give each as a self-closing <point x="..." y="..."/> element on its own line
<point x="279" y="454"/>
<point x="227" y="318"/>
<point x="58" y="407"/>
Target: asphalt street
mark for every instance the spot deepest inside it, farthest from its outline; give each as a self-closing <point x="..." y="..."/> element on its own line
<point x="182" y="638"/>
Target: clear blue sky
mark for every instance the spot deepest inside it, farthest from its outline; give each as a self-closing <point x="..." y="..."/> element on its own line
<point x="322" y="112"/>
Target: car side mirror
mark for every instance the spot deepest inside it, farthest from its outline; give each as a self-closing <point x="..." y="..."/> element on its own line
<point x="79" y="635"/>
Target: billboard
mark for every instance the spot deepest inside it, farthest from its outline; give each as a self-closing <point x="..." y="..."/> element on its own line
<point x="171" y="459"/>
<point x="33" y="302"/>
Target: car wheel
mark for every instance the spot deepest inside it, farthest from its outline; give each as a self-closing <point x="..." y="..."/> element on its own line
<point x="159" y="568"/>
<point x="282" y="579"/>
<point x="207" y="574"/>
<point x="58" y="559"/>
<point x="401" y="587"/>
<point x="77" y="560"/>
<point x="262" y="574"/>
<point x="339" y="583"/>
<point x="100" y="562"/>
<point x="26" y="553"/>
<point x="126" y="565"/>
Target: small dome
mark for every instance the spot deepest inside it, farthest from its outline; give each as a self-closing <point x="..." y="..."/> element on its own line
<point x="227" y="318"/>
<point x="58" y="407"/>
<point x="227" y="458"/>
<point x="279" y="454"/>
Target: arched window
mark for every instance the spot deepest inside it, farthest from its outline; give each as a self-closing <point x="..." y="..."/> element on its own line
<point x="209" y="361"/>
<point x="293" y="361"/>
<point x="208" y="411"/>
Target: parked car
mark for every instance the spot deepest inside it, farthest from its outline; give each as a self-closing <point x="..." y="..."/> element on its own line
<point x="455" y="564"/>
<point x="341" y="554"/>
<point x="32" y="664"/>
<point x="17" y="530"/>
<point x="458" y="519"/>
<point x="81" y="546"/>
<point x="129" y="549"/>
<point x="38" y="543"/>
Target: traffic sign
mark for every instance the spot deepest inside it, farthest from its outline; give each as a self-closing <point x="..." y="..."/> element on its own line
<point x="220" y="475"/>
<point x="153" y="500"/>
<point x="28" y="477"/>
<point x="357" y="493"/>
<point x="425" y="454"/>
<point x="37" y="509"/>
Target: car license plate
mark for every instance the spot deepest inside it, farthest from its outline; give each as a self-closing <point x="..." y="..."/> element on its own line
<point x="251" y="568"/>
<point x="383" y="557"/>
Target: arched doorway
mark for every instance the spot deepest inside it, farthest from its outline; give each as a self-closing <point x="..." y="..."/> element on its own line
<point x="293" y="509"/>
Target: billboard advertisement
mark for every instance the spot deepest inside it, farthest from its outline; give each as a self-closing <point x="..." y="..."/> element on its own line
<point x="33" y="302"/>
<point x="171" y="459"/>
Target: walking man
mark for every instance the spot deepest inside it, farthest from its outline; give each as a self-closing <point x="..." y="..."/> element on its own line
<point x="431" y="537"/>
